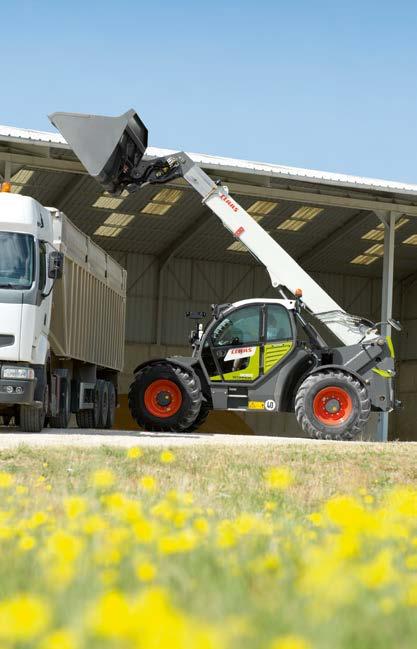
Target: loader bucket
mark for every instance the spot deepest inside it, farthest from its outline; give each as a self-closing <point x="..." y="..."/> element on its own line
<point x="108" y="147"/>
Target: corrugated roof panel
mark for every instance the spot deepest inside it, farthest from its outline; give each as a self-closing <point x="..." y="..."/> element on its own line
<point x="233" y="164"/>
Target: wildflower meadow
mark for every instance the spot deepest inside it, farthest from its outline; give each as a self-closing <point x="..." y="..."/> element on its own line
<point x="292" y="548"/>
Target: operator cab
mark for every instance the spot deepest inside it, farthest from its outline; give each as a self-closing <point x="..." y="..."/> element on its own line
<point x="248" y="339"/>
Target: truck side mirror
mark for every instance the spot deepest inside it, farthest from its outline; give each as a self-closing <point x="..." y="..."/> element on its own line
<point x="55" y="264"/>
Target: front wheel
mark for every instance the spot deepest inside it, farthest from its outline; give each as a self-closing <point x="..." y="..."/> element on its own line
<point x="332" y="405"/>
<point x="165" y="397"/>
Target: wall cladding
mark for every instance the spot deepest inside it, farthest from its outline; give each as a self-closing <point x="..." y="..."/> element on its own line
<point x="195" y="285"/>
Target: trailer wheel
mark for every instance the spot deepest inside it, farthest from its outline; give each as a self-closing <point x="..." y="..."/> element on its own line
<point x="165" y="397"/>
<point x="61" y="420"/>
<point x="111" y="412"/>
<point x="101" y="403"/>
<point x="332" y="405"/>
<point x="32" y="419"/>
<point x="85" y="418"/>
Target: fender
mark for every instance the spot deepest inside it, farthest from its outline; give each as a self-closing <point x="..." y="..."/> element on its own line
<point x="342" y="368"/>
<point x="181" y="361"/>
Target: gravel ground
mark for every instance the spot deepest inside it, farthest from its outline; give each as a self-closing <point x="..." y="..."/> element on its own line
<point x="11" y="438"/>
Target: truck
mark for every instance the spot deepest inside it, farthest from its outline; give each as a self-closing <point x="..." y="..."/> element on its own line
<point x="300" y="352"/>
<point x="62" y="318"/>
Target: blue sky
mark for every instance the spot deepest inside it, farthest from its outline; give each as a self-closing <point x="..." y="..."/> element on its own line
<point x="325" y="85"/>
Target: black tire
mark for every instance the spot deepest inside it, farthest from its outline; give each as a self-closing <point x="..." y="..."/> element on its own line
<point x="188" y="410"/>
<point x="32" y="420"/>
<point x="309" y="418"/>
<point x="85" y="418"/>
<point x="61" y="420"/>
<point x="201" y="417"/>
<point x="112" y="405"/>
<point x="97" y="416"/>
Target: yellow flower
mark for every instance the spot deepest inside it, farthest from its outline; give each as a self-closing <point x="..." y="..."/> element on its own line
<point x="6" y="480"/>
<point x="59" y="639"/>
<point x="177" y="543"/>
<point x="145" y="571"/>
<point x="27" y="543"/>
<point x="380" y="571"/>
<point x="134" y="452"/>
<point x="279" y="478"/>
<point x="148" y="483"/>
<point x="22" y="617"/>
<point x="270" y="506"/>
<point x="201" y="525"/>
<point x="103" y="479"/>
<point x="75" y="506"/>
<point x="64" y="546"/>
<point x="290" y="642"/>
<point x="166" y="457"/>
<point x="21" y="490"/>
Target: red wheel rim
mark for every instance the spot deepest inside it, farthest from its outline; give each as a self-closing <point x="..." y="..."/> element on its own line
<point x="163" y="398"/>
<point x="332" y="406"/>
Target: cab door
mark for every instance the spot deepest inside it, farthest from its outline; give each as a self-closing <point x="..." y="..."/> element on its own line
<point x="235" y="344"/>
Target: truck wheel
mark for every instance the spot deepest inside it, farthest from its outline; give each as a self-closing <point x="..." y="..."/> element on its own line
<point x="111" y="412"/>
<point x="95" y="417"/>
<point x="165" y="397"/>
<point x="85" y="418"/>
<point x="61" y="420"/>
<point x="332" y="405"/>
<point x="32" y="419"/>
<point x="101" y="403"/>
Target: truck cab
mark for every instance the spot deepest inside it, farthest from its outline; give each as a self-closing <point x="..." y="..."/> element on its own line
<point x="56" y="358"/>
<point x="26" y="246"/>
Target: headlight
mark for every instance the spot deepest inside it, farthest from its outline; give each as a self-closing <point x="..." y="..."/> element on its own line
<point x="17" y="373"/>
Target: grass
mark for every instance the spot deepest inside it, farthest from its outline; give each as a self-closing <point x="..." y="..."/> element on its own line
<point x="113" y="560"/>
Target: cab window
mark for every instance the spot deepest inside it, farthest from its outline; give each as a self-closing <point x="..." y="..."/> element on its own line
<point x="239" y="328"/>
<point x="278" y="323"/>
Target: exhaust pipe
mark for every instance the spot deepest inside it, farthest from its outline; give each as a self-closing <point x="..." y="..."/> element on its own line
<point x="108" y="147"/>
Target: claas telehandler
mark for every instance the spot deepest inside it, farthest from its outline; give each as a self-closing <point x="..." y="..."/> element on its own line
<point x="300" y="352"/>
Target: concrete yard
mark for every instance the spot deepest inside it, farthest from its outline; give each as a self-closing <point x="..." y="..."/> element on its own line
<point x="11" y="438"/>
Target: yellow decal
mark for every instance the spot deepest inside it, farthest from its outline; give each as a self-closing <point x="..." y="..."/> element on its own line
<point x="385" y="373"/>
<point x="390" y="346"/>
<point x="256" y="405"/>
<point x="274" y="353"/>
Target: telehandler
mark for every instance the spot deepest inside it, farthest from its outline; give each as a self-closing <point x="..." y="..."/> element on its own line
<point x="300" y="352"/>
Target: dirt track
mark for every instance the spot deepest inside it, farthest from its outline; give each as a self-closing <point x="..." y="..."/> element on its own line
<point x="10" y="438"/>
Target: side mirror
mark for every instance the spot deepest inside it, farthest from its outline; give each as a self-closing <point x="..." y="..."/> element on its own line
<point x="55" y="264"/>
<point x="395" y="324"/>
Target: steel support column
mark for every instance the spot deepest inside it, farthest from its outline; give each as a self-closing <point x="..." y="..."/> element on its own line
<point x="386" y="303"/>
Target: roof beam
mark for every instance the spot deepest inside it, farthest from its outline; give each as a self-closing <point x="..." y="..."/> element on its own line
<point x="51" y="164"/>
<point x="327" y="200"/>
<point x="331" y="240"/>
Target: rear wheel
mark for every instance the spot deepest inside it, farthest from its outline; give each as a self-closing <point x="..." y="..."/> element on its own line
<point x="165" y="397"/>
<point x="332" y="405"/>
<point x="97" y="416"/>
<point x="61" y="420"/>
<point x="111" y="412"/>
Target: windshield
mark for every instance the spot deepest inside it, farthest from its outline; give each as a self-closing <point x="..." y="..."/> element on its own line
<point x="16" y="260"/>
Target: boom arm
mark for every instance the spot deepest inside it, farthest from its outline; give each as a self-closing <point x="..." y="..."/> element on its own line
<point x="112" y="151"/>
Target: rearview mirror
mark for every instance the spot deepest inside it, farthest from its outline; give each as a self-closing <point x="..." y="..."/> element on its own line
<point x="55" y="264"/>
<point x="395" y="323"/>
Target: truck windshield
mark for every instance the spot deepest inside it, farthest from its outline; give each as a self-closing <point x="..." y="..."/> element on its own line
<point x="16" y="260"/>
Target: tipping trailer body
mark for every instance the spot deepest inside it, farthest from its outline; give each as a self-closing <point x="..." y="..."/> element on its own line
<point x="89" y="303"/>
<point x="62" y="316"/>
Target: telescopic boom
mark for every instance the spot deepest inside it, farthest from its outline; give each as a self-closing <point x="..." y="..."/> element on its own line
<point x="112" y="150"/>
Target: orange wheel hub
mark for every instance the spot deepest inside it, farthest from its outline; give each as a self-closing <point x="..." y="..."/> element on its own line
<point x="332" y="406"/>
<point x="163" y="398"/>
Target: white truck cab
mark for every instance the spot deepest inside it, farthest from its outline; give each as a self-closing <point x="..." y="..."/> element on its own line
<point x="40" y="383"/>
